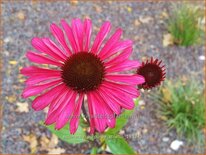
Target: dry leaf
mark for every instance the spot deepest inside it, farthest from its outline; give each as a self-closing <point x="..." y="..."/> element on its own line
<point x="11" y="98"/>
<point x="98" y="9"/>
<point x="145" y="20"/>
<point x="32" y="140"/>
<point x="74" y="2"/>
<point x="136" y="22"/>
<point x="12" y="62"/>
<point x="166" y="95"/>
<point x="56" y="151"/>
<point x="22" y="107"/>
<point x="129" y="9"/>
<point x="167" y="40"/>
<point x="48" y="144"/>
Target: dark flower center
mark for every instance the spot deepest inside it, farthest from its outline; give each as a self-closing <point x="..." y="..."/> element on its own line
<point x="152" y="72"/>
<point x="83" y="72"/>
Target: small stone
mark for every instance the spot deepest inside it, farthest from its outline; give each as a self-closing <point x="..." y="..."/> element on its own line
<point x="146" y="19"/>
<point x="136" y="22"/>
<point x="21" y="15"/>
<point x="7" y="39"/>
<point x="121" y="132"/>
<point x="175" y="145"/>
<point x="141" y="102"/>
<point x="165" y="139"/>
<point x="202" y="57"/>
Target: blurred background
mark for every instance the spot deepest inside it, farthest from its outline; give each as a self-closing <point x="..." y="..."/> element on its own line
<point x="169" y="119"/>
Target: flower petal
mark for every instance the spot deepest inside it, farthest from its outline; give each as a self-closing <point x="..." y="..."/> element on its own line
<point x="70" y="35"/>
<point x="104" y="30"/>
<point x="42" y="59"/>
<point x="44" y="100"/>
<point x="87" y="34"/>
<point x="77" y="29"/>
<point x="75" y="119"/>
<point x="111" y="42"/>
<point x="34" y="90"/>
<point x="59" y="35"/>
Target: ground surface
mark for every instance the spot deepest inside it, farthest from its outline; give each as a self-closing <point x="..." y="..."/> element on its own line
<point x="142" y="22"/>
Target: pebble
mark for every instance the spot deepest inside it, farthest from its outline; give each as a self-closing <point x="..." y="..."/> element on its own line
<point x="202" y="57"/>
<point x="175" y="145"/>
<point x="141" y="102"/>
<point x="165" y="139"/>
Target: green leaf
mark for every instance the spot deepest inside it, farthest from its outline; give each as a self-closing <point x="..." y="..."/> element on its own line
<point x="64" y="134"/>
<point x="122" y="120"/>
<point x="94" y="150"/>
<point x="118" y="145"/>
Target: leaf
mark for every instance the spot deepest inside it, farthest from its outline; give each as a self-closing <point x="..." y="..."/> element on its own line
<point x="32" y="140"/>
<point x="22" y="107"/>
<point x="119" y="145"/>
<point x="94" y="150"/>
<point x="48" y="144"/>
<point x="63" y="134"/>
<point x="56" y="151"/>
<point x="122" y="120"/>
<point x="167" y="40"/>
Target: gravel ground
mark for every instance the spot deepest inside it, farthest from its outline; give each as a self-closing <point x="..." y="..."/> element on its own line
<point x="142" y="22"/>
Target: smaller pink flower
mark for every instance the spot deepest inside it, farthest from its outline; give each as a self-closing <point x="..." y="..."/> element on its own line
<point x="82" y="71"/>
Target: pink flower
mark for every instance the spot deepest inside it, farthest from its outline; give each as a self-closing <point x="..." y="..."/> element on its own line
<point x="81" y="71"/>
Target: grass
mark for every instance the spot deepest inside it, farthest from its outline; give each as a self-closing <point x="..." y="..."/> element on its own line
<point x="182" y="106"/>
<point x="184" y="24"/>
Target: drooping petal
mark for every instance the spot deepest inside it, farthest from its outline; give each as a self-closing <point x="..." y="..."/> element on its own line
<point x="104" y="30"/>
<point x="34" y="90"/>
<point x="44" y="100"/>
<point x="100" y="124"/>
<point x="75" y="119"/>
<point x="70" y="35"/>
<point x="59" y="35"/>
<point x="42" y="59"/>
<point x="66" y="113"/>
<point x="87" y="34"/>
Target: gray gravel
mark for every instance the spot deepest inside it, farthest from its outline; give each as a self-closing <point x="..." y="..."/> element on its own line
<point x="23" y="20"/>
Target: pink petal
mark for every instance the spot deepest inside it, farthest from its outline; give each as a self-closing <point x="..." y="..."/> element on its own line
<point x="120" y="46"/>
<point x="38" y="44"/>
<point x="59" y="35"/>
<point x="44" y="100"/>
<point x="129" y="89"/>
<point x="126" y="78"/>
<point x="77" y="29"/>
<point x="91" y="115"/>
<point x="120" y="58"/>
<point x="70" y="35"/>
<point x="111" y="42"/>
<point x="75" y="119"/>
<point x="66" y="113"/>
<point x="40" y="78"/>
<point x="100" y="125"/>
<point x="87" y="34"/>
<point x="41" y="59"/>
<point x="125" y="65"/>
<point x="113" y="105"/>
<point x="53" y="47"/>
<point x="104" y="30"/>
<point x="34" y="90"/>
<point x="107" y="113"/>
<point x="121" y="98"/>
<point x="35" y="71"/>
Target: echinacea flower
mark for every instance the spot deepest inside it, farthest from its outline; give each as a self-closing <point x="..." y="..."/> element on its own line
<point x="82" y="72"/>
<point x="153" y="73"/>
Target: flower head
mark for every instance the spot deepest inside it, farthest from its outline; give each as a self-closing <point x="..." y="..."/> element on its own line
<point x="82" y="71"/>
<point x="153" y="73"/>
